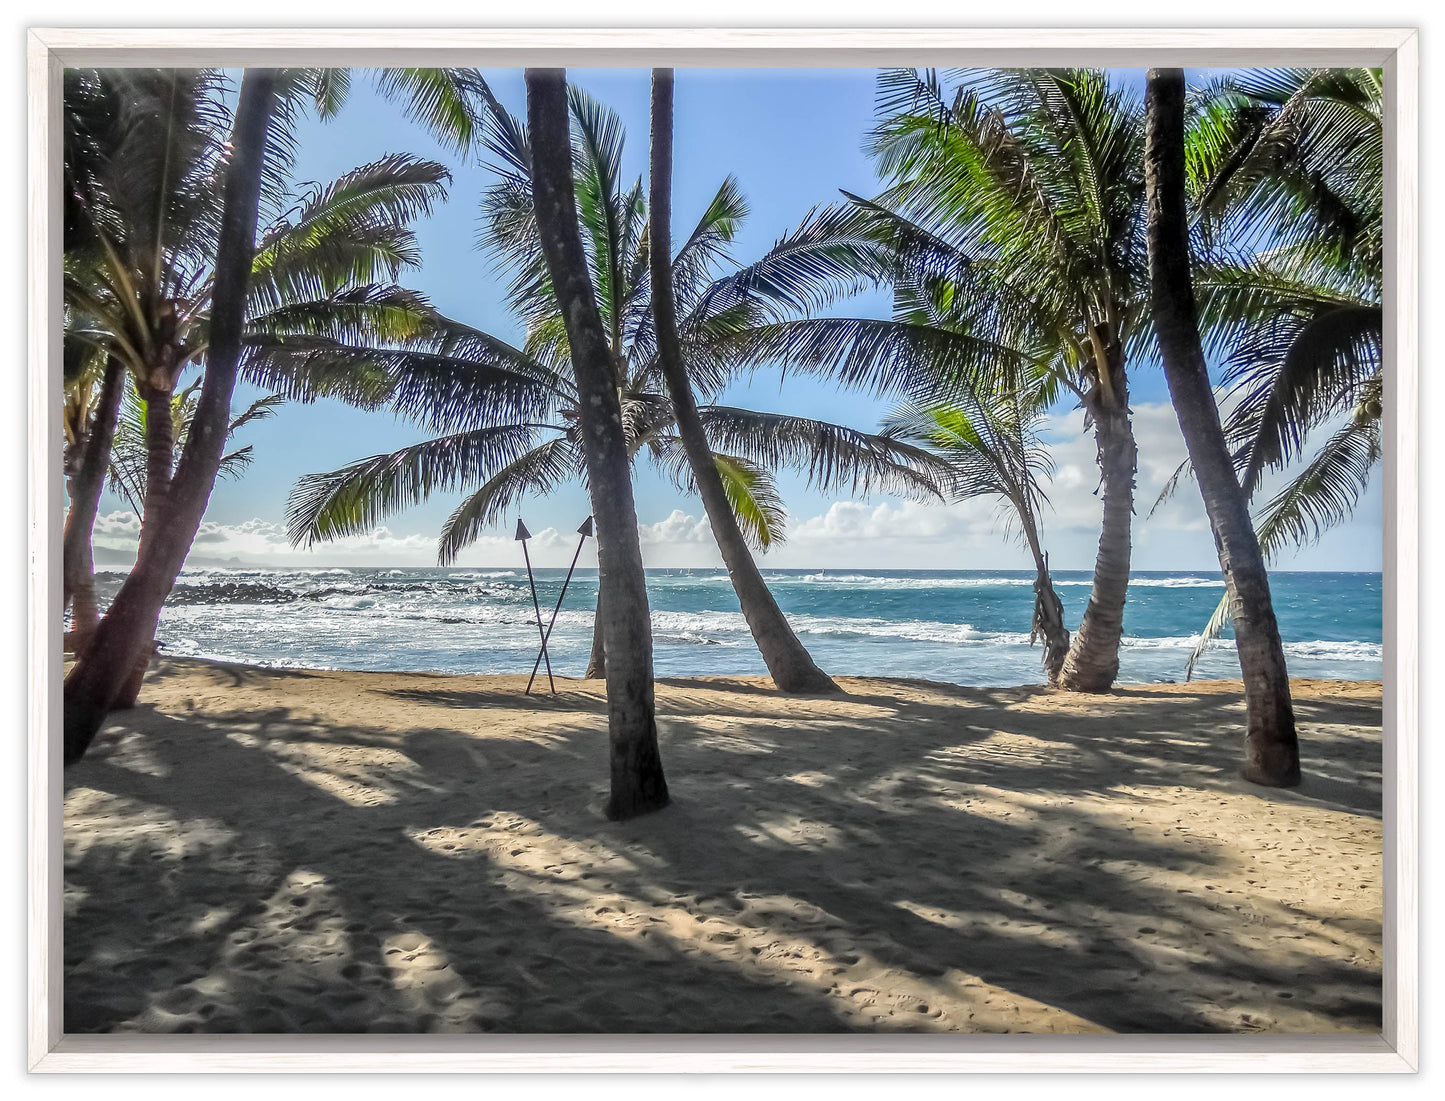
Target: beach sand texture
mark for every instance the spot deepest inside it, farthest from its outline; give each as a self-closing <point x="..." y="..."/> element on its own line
<point x="265" y="850"/>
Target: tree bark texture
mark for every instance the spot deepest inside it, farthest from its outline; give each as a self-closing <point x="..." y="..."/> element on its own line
<point x="597" y="660"/>
<point x="1271" y="755"/>
<point x="160" y="459"/>
<point x="1093" y="661"/>
<point x="791" y="666"/>
<point x="637" y="780"/>
<point x="160" y="468"/>
<point x="1048" y="623"/>
<point x="125" y="633"/>
<point x="78" y="561"/>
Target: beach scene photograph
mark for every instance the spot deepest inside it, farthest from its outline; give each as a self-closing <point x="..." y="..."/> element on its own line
<point x="717" y="551"/>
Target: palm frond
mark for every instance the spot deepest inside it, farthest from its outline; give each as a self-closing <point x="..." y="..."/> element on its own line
<point x="538" y="471"/>
<point x="1306" y="371"/>
<point x="234" y="464"/>
<point x="355" y="498"/>
<point x="451" y="103"/>
<point x="887" y="357"/>
<point x="354" y="230"/>
<point x="1327" y="490"/>
<point x="753" y="498"/>
<point x="830" y="455"/>
<point x="833" y="253"/>
<point x="262" y="408"/>
<point x="1218" y="620"/>
<point x="1322" y="495"/>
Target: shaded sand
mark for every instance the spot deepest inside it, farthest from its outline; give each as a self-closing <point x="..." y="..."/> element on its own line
<point x="277" y="850"/>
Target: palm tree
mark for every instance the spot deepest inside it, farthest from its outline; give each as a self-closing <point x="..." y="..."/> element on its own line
<point x="99" y="674"/>
<point x="1287" y="176"/>
<point x="158" y="194"/>
<point x="638" y="783"/>
<point x="509" y="419"/>
<point x="992" y="449"/>
<point x="791" y="666"/>
<point x="1012" y="235"/>
<point x="139" y="285"/>
<point x="1271" y="747"/>
<point x="92" y="401"/>
<point x="129" y="460"/>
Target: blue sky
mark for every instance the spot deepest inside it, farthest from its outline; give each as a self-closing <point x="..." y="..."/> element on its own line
<point x="793" y="138"/>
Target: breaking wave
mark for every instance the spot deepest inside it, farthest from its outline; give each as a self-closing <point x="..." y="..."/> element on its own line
<point x="967" y="627"/>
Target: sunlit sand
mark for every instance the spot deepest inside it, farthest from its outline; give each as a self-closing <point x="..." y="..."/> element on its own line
<point x="264" y="850"/>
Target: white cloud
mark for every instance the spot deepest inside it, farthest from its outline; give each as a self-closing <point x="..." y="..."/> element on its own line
<point x="678" y="528"/>
<point x="975" y="534"/>
<point x="261" y="542"/>
<point x="979" y="535"/>
<point x="847" y="520"/>
<point x="116" y="531"/>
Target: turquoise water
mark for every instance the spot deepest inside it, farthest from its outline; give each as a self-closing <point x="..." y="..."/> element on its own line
<point x="964" y="626"/>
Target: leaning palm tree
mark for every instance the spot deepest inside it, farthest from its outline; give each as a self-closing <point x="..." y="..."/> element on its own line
<point x="101" y="672"/>
<point x="1015" y="198"/>
<point x="1271" y="748"/>
<point x="94" y="383"/>
<point x="139" y="284"/>
<point x="992" y="449"/>
<point x="791" y="666"/>
<point x="141" y="216"/>
<point x="509" y="419"/>
<point x="1286" y="175"/>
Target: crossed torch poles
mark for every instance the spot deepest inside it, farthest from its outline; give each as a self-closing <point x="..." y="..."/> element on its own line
<point x="522" y="536"/>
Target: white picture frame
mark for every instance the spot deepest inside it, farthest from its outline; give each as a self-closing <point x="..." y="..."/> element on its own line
<point x="1394" y="1050"/>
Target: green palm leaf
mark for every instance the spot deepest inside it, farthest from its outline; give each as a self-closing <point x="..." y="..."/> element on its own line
<point x="753" y="498"/>
<point x="355" y="498"/>
<point x="886" y="357"/>
<point x="830" y="455"/>
<point x="538" y="471"/>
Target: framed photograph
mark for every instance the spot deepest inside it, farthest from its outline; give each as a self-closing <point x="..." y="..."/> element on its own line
<point x="723" y="550"/>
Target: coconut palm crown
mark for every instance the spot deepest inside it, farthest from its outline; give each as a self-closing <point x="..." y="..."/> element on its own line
<point x="1011" y="234"/>
<point x="507" y="416"/>
<point x="1288" y="169"/>
<point x="143" y="236"/>
<point x="1287" y="177"/>
<point x="146" y="154"/>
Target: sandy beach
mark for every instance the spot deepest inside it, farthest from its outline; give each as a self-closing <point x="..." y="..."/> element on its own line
<point x="264" y="850"/>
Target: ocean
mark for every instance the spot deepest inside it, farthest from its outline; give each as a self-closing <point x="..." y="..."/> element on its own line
<point x="962" y="626"/>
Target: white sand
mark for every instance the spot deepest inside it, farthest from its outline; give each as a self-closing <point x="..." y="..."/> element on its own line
<point x="270" y="850"/>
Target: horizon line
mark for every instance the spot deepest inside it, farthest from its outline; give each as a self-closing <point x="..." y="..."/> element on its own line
<point x="114" y="568"/>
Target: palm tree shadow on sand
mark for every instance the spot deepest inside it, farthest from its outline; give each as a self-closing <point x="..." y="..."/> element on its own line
<point x="263" y="871"/>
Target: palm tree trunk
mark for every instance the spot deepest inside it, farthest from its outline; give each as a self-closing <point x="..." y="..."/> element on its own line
<point x="160" y="455"/>
<point x="85" y="490"/>
<point x="597" y="661"/>
<point x="70" y="464"/>
<point x="126" y="631"/>
<point x="637" y="780"/>
<point x="160" y="464"/>
<point x="791" y="666"/>
<point x="1048" y="621"/>
<point x="1271" y="755"/>
<point x="1093" y="661"/>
